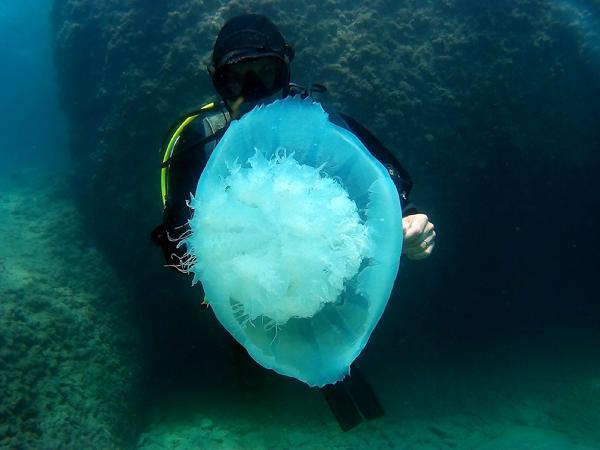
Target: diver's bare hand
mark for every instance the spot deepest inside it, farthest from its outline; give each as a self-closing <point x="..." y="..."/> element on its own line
<point x="419" y="236"/>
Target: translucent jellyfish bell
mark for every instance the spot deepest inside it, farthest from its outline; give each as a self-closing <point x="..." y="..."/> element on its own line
<point x="296" y="236"/>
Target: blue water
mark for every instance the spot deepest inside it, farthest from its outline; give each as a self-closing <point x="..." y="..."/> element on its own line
<point x="33" y="130"/>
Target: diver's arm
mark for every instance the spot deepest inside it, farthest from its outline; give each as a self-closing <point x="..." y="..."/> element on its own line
<point x="183" y="175"/>
<point x="398" y="174"/>
<point x="419" y="232"/>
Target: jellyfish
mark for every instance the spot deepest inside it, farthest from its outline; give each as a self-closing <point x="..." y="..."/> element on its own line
<point x="296" y="236"/>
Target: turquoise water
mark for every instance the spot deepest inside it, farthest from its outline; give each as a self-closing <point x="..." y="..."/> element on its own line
<point x="33" y="126"/>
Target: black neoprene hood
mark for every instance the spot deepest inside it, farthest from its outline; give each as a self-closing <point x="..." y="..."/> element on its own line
<point x="249" y="35"/>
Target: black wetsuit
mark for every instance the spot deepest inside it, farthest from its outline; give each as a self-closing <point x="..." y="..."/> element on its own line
<point x="191" y="158"/>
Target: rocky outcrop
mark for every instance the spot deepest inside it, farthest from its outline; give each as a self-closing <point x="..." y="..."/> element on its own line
<point x="492" y="107"/>
<point x="440" y="81"/>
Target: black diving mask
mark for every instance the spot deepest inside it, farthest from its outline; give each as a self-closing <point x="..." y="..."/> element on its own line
<point x="253" y="77"/>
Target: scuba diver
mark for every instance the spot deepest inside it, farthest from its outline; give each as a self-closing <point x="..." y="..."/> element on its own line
<point x="250" y="66"/>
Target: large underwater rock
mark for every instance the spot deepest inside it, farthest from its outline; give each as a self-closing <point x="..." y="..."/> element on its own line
<point x="492" y="106"/>
<point x="444" y="83"/>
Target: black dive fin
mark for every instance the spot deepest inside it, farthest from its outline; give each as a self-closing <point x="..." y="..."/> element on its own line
<point x="341" y="405"/>
<point x="363" y="395"/>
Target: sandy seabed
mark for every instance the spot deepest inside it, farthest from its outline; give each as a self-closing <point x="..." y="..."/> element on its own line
<point x="525" y="399"/>
<point x="68" y="353"/>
